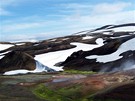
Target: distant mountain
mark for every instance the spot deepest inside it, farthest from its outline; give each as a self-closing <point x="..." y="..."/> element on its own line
<point x="105" y="49"/>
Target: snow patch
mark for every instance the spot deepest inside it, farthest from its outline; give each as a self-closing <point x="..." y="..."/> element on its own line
<point x="20" y="44"/>
<point x="87" y="37"/>
<point x="128" y="45"/>
<point x="53" y="40"/>
<point x="65" y="39"/>
<point x="2" y="54"/>
<point x="117" y="29"/>
<point x="5" y="46"/>
<point x="100" y="41"/>
<point x="126" y="28"/>
<point x="108" y="33"/>
<point x="119" y="36"/>
<point x="51" y="58"/>
<point x="39" y="68"/>
<point x="14" y="72"/>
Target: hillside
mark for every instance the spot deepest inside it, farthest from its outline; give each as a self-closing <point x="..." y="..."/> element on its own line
<point x="109" y="48"/>
<point x="91" y="65"/>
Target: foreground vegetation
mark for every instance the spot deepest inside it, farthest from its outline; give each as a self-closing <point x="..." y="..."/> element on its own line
<point x="72" y="93"/>
<point x="78" y="72"/>
<point x="41" y="87"/>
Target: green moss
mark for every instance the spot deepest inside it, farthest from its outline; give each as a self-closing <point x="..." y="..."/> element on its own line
<point x="43" y="92"/>
<point x="72" y="93"/>
<point x="79" y="72"/>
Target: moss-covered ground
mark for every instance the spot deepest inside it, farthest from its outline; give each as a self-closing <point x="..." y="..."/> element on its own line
<point x="40" y="87"/>
<point x="72" y="93"/>
<point x="79" y="72"/>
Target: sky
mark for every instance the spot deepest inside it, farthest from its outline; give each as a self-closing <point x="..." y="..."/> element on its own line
<point x="22" y="20"/>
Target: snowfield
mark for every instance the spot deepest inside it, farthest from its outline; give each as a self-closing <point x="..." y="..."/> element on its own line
<point x="3" y="46"/>
<point x="126" y="28"/>
<point x="46" y="62"/>
<point x="127" y="46"/>
<point x="117" y="29"/>
<point x="87" y="37"/>
<point x="39" y="68"/>
<point x="51" y="58"/>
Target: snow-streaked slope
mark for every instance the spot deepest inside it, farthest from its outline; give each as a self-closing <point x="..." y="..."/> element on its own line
<point x="87" y="37"/>
<point x="5" y="46"/>
<point x="20" y="71"/>
<point x="25" y="40"/>
<point x="50" y="59"/>
<point x="128" y="45"/>
<point x="108" y="30"/>
<point x="2" y="55"/>
<point x="126" y="28"/>
<point x="117" y="29"/>
<point x="119" y="36"/>
<point x="39" y="68"/>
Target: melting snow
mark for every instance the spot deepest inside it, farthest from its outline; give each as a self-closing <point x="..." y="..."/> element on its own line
<point x="119" y="36"/>
<point x="129" y="45"/>
<point x="13" y="72"/>
<point x="53" y="40"/>
<point x="108" y="33"/>
<point x="118" y="29"/>
<point x="20" y="43"/>
<point x="5" y="46"/>
<point x="50" y="59"/>
<point x="100" y="41"/>
<point x="39" y="68"/>
<point x="87" y="37"/>
<point x="65" y="39"/>
<point x="2" y="55"/>
<point x="126" y="28"/>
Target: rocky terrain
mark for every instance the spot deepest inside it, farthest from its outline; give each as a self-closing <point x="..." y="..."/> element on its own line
<point x="91" y="65"/>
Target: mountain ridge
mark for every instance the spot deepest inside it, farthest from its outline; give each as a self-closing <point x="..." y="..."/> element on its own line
<point x="74" y="48"/>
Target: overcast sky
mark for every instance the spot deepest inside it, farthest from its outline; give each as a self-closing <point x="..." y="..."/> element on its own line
<point x="41" y="19"/>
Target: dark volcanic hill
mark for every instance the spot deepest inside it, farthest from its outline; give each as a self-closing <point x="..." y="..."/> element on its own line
<point x="78" y="59"/>
<point x="17" y="60"/>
